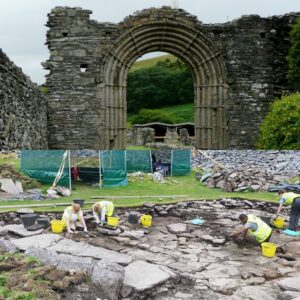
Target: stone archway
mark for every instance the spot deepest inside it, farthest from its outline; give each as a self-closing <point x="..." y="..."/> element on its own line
<point x="182" y="38"/>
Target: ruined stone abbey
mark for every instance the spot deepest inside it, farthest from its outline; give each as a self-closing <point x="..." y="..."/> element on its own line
<point x="237" y="67"/>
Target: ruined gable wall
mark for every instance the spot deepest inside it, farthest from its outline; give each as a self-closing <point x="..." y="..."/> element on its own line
<point x="254" y="50"/>
<point x="23" y="110"/>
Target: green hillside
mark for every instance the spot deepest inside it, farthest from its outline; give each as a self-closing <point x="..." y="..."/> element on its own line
<point x="151" y="62"/>
<point x="178" y="114"/>
<point x="181" y="113"/>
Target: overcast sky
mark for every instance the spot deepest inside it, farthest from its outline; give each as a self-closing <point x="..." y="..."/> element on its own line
<point x="22" y="30"/>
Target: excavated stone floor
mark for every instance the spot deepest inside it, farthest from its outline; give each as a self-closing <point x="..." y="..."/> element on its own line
<point x="178" y="260"/>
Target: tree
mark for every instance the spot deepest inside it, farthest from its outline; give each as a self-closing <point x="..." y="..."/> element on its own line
<point x="294" y="56"/>
<point x="165" y="84"/>
<point x="281" y="127"/>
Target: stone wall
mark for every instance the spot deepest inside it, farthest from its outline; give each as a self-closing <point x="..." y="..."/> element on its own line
<point x="23" y="110"/>
<point x="255" y="51"/>
<point x="252" y="48"/>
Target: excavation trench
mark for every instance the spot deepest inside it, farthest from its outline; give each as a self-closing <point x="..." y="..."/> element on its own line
<point x="201" y="260"/>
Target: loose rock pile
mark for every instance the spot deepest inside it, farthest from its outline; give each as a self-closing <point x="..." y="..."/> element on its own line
<point x="242" y="179"/>
<point x="283" y="163"/>
<point x="241" y="170"/>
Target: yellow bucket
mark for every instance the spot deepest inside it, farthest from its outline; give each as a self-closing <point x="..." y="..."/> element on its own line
<point x="268" y="249"/>
<point x="113" y="221"/>
<point x="57" y="226"/>
<point x="279" y="222"/>
<point x="146" y="220"/>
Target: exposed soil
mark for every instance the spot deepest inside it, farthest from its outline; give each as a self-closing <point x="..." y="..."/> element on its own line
<point x="27" y="277"/>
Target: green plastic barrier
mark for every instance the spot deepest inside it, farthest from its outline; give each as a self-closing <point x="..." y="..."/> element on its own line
<point x="181" y="162"/>
<point x="138" y="160"/>
<point x="113" y="165"/>
<point x="43" y="165"/>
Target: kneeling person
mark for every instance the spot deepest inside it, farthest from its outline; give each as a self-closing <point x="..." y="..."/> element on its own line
<point x="255" y="226"/>
<point x="73" y="218"/>
<point x="103" y="209"/>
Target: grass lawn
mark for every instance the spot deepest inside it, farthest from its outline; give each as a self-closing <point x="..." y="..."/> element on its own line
<point x="184" y="185"/>
<point x="180" y="113"/>
<point x="151" y="62"/>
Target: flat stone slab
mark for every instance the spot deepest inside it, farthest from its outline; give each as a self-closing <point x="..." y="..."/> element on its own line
<point x="290" y="284"/>
<point x="177" y="228"/>
<point x="141" y="275"/>
<point x="85" y="250"/>
<point x="256" y="292"/>
<point x="19" y="230"/>
<point x="75" y="263"/>
<point x="224" y="285"/>
<point x="39" y="241"/>
<point x="25" y="211"/>
<point x="8" y="186"/>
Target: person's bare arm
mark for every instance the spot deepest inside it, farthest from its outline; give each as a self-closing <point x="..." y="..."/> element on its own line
<point x="82" y="221"/>
<point x="279" y="210"/>
<point x="96" y="216"/>
<point x="242" y="232"/>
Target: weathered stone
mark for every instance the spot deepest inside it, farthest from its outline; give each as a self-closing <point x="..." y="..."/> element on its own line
<point x="108" y="278"/>
<point x="290" y="284"/>
<point x="75" y="263"/>
<point x="109" y="231"/>
<point x="19" y="230"/>
<point x="293" y="248"/>
<point x="23" y="110"/>
<point x="288" y="295"/>
<point x="46" y="256"/>
<point x="25" y="211"/>
<point x="7" y="246"/>
<point x="155" y="275"/>
<point x="256" y="292"/>
<point x="39" y="241"/>
<point x="85" y="250"/>
<point x="133" y="234"/>
<point x="7" y="185"/>
<point x="224" y="286"/>
<point x="255" y="281"/>
<point x="177" y="228"/>
<point x="188" y="267"/>
<point x="181" y="295"/>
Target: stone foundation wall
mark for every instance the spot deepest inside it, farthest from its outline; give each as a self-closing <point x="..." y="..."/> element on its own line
<point x="23" y="110"/>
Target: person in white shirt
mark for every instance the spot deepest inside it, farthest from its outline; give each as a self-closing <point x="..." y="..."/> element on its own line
<point x="102" y="210"/>
<point x="73" y="218"/>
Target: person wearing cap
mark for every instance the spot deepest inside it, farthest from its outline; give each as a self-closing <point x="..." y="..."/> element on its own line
<point x="289" y="199"/>
<point x="102" y="209"/>
<point x="73" y="218"/>
<point x="255" y="227"/>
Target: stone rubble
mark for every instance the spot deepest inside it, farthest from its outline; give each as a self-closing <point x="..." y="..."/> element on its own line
<point x="174" y="259"/>
<point x="247" y="170"/>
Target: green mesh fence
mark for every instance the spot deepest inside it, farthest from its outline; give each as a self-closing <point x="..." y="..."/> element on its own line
<point x="181" y="162"/>
<point x="114" y="168"/>
<point x="138" y="160"/>
<point x="43" y="165"/>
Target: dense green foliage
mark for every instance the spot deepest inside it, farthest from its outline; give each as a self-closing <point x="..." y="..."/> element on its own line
<point x="294" y="56"/>
<point x="151" y="115"/>
<point x="281" y="127"/>
<point x="165" y="84"/>
<point x="169" y="114"/>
